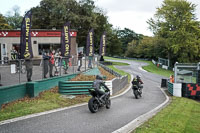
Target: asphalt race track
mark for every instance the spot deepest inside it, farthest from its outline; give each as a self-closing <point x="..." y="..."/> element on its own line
<point x="123" y="110"/>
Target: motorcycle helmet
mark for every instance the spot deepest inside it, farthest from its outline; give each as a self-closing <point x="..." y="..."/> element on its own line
<point x="99" y="77"/>
<point x="138" y="77"/>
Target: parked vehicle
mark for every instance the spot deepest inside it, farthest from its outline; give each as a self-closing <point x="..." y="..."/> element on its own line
<point x="97" y="102"/>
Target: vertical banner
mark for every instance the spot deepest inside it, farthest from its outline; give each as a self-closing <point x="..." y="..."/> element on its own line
<point x="90" y="43"/>
<point x="102" y="50"/>
<point x="25" y="38"/>
<point x="65" y="40"/>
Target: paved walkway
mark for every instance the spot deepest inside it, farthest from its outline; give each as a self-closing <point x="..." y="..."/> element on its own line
<point x="13" y="79"/>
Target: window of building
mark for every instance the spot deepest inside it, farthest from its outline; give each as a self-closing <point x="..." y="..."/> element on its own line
<point x="48" y="47"/>
<point x="17" y="47"/>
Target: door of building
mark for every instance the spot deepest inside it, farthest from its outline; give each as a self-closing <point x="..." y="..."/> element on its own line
<point x="4" y="55"/>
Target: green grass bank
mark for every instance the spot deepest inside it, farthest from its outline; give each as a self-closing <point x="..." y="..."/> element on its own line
<point x="181" y="116"/>
<point x="47" y="100"/>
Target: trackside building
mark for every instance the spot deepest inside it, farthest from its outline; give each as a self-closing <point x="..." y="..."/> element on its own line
<point x="40" y="40"/>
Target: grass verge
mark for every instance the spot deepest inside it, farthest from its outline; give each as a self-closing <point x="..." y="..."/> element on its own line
<point x="47" y="100"/>
<point x="181" y="116"/>
<point x="112" y="58"/>
<point x="150" y="67"/>
<point x="118" y="70"/>
<point x="157" y="70"/>
<point x="119" y="63"/>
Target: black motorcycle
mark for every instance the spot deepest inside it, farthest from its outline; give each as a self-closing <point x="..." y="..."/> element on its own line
<point x="95" y="102"/>
<point x="137" y="91"/>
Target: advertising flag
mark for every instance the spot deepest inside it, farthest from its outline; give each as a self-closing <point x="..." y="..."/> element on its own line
<point x="102" y="50"/>
<point x="90" y="43"/>
<point x="65" y="40"/>
<point x="25" y="39"/>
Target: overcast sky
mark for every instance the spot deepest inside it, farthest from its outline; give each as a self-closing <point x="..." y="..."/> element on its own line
<point x="132" y="14"/>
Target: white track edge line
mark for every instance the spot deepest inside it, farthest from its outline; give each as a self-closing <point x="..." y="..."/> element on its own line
<point x="142" y="69"/>
<point x="142" y="118"/>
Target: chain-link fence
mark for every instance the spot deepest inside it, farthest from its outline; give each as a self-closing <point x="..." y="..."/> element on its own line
<point x="163" y="61"/>
<point x="18" y="71"/>
<point x="186" y="73"/>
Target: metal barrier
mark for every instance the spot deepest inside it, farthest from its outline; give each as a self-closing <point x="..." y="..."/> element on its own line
<point x="81" y="87"/>
<point x="15" y="72"/>
<point x="11" y="93"/>
<point x="110" y="70"/>
<point x="186" y="72"/>
<point x="191" y="90"/>
<point x="170" y="88"/>
<point x="129" y="58"/>
<point x="74" y="87"/>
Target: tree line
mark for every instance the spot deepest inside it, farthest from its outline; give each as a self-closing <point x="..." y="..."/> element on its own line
<point x="176" y="34"/>
<point x="175" y="27"/>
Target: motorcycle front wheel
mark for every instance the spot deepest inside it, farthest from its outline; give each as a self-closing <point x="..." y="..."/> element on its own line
<point x="93" y="105"/>
<point x="136" y="93"/>
<point x="108" y="104"/>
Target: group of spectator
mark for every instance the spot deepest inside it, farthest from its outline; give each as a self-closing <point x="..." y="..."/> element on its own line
<point x="51" y="59"/>
<point x="54" y="59"/>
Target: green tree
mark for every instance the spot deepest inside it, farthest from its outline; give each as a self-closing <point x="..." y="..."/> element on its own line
<point x="176" y="25"/>
<point x="126" y="36"/>
<point x="83" y="15"/>
<point x="3" y="23"/>
<point x="114" y="45"/>
<point x="143" y="49"/>
<point x="13" y="18"/>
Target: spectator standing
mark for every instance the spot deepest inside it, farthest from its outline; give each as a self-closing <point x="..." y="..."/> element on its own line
<point x="80" y="56"/>
<point x="51" y="63"/>
<point x="65" y="62"/>
<point x="46" y="58"/>
<point x="13" y="53"/>
<point x="29" y="68"/>
<point x="57" y="62"/>
<point x="172" y="78"/>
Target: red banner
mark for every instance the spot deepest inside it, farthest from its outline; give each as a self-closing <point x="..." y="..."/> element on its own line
<point x="35" y="33"/>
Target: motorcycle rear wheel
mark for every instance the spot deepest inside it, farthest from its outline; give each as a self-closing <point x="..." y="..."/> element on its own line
<point x="93" y="105"/>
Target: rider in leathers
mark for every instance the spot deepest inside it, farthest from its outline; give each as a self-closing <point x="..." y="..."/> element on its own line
<point x="136" y="82"/>
<point x="98" y="84"/>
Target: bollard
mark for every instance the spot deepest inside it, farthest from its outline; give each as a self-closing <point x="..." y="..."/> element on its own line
<point x="164" y="83"/>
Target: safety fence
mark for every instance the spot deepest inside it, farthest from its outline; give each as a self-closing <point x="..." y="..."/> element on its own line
<point x="119" y="83"/>
<point x="110" y="70"/>
<point x="160" y="65"/>
<point x="32" y="89"/>
<point x="74" y="87"/>
<point x="81" y="87"/>
<point x="13" y="72"/>
<point x="189" y="90"/>
<point x="129" y="58"/>
<point x="170" y="88"/>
